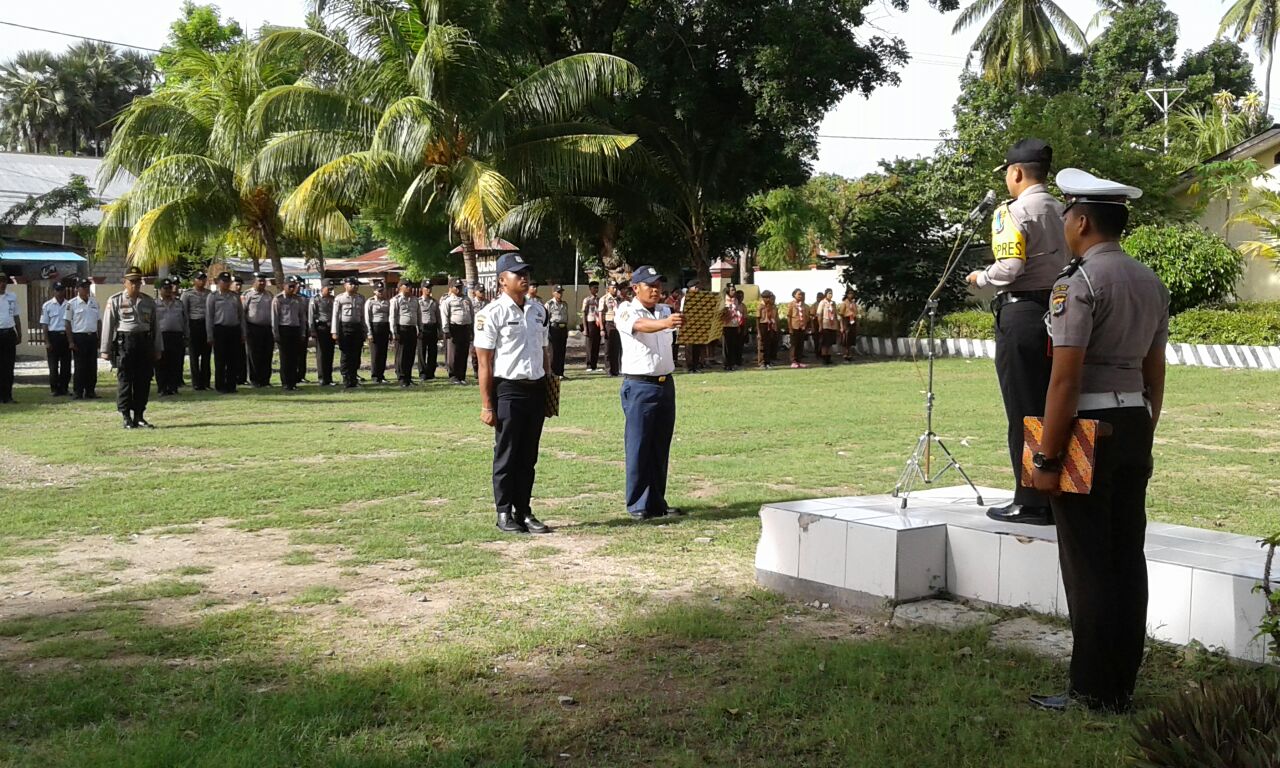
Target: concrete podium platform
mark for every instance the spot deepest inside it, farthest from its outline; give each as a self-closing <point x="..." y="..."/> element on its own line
<point x="867" y="552"/>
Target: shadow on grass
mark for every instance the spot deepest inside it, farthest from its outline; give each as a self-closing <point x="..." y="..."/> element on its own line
<point x="750" y="682"/>
<point x="696" y="514"/>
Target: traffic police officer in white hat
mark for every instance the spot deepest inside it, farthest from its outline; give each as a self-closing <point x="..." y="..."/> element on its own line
<point x="1109" y="319"/>
<point x="514" y="354"/>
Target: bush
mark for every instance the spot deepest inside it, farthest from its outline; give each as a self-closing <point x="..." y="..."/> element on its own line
<point x="1197" y="266"/>
<point x="974" y="324"/>
<point x="1251" y="323"/>
<point x="1234" y="723"/>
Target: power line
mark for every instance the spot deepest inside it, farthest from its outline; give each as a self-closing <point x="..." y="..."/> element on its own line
<point x="79" y="37"/>
<point x="881" y="138"/>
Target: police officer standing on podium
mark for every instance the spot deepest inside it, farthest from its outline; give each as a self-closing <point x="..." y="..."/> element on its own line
<point x="647" y="328"/>
<point x="514" y="356"/>
<point x="1109" y="317"/>
<point x="130" y="324"/>
<point x="1029" y="249"/>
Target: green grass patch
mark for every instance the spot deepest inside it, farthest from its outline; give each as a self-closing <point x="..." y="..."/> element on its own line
<point x="194" y="570"/>
<point x="318" y="595"/>
<point x="300" y="557"/>
<point x="153" y="590"/>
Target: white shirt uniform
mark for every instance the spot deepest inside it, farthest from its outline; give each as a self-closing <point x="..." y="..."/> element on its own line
<point x="84" y="316"/>
<point x="645" y="354"/>
<point x="517" y="335"/>
<point x="8" y="309"/>
<point x="53" y="314"/>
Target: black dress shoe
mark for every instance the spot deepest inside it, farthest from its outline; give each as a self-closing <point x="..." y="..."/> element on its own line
<point x="1016" y="513"/>
<point x="128" y="422"/>
<point x="646" y="514"/>
<point x="90" y="395"/>
<point x="143" y="423"/>
<point x="1057" y="702"/>
<point x="508" y="524"/>
<point x="675" y="512"/>
<point x="534" y="525"/>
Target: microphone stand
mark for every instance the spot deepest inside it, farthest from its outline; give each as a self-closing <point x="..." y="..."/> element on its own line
<point x="919" y="467"/>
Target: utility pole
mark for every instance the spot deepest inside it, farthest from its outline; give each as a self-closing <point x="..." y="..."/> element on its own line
<point x="1164" y="104"/>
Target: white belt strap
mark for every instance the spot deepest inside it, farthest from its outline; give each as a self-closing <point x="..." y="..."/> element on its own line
<point x="1105" y="401"/>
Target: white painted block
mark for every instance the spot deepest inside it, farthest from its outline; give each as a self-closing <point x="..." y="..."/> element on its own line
<point x="779" y="547"/>
<point x="922" y="562"/>
<point x="973" y="564"/>
<point x="1169" y="602"/>
<point x="1225" y="613"/>
<point x="1028" y="574"/>
<point x="871" y="555"/>
<point x="822" y="550"/>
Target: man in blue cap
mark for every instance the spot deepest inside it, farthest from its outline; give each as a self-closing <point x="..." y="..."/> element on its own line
<point x="647" y="329"/>
<point x="514" y="354"/>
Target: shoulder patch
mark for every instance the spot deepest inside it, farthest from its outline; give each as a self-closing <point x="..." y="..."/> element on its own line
<point x="479" y="322"/>
<point x="624" y="313"/>
<point x="1058" y="302"/>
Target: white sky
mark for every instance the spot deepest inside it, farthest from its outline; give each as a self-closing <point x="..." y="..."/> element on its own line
<point x="919" y="108"/>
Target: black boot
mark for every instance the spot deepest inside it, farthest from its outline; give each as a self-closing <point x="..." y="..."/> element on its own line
<point x="508" y="524"/>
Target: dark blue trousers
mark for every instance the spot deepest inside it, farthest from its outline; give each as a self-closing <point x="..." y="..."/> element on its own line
<point x="521" y="410"/>
<point x="650" y="409"/>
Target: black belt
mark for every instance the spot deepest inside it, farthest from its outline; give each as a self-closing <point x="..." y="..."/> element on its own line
<point x="1013" y="297"/>
<point x="559" y="325"/>
<point x="647" y="379"/>
<point x="520" y="382"/>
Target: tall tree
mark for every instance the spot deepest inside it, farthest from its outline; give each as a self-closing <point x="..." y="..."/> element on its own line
<point x="423" y="126"/>
<point x="1021" y="39"/>
<point x="198" y="28"/>
<point x="192" y="148"/>
<point x="1260" y="20"/>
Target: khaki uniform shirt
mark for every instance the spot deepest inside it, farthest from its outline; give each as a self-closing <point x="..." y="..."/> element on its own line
<point x="287" y="311"/>
<point x="428" y="310"/>
<point x="223" y="309"/>
<point x="196" y="303"/>
<point x="125" y="316"/>
<point x="456" y="310"/>
<point x="347" y="309"/>
<point x="257" y="307"/>
<point x="609" y="308"/>
<point x="1028" y="243"/>
<point x="1118" y="310"/>
<point x="171" y="316"/>
<point x="404" y="313"/>
<point x="798" y="317"/>
<point x="557" y="312"/>
<point x="828" y="320"/>
<point x="591" y="309"/>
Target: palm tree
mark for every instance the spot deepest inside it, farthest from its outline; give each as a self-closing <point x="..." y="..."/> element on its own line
<point x="1259" y="19"/>
<point x="191" y="148"/>
<point x="1021" y="38"/>
<point x="414" y="125"/>
<point x="30" y="101"/>
<point x="1107" y="10"/>
<point x="1264" y="216"/>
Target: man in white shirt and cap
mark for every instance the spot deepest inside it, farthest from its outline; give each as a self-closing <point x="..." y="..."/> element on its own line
<point x="10" y="337"/>
<point x="1109" y="320"/>
<point x="647" y="327"/>
<point x="53" y="316"/>
<point x="513" y="352"/>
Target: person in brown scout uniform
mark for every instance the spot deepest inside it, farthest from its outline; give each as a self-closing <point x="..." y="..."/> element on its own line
<point x="767" y="334"/>
<point x="798" y="320"/>
<point x="129" y="328"/>
<point x="1109" y="320"/>
<point x="827" y="321"/>
<point x="733" y="330"/>
<point x="848" y="311"/>
<point x="609" y="329"/>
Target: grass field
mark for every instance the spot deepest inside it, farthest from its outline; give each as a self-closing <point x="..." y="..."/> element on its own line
<point x="312" y="578"/>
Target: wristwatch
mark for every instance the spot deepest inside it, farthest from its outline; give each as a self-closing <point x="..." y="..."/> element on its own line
<point x="1045" y="464"/>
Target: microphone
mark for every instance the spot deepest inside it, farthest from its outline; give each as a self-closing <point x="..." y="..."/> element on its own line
<point x="987" y="205"/>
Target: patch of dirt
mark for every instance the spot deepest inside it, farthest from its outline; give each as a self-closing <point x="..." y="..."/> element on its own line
<point x="21" y="472"/>
<point x="576" y="431"/>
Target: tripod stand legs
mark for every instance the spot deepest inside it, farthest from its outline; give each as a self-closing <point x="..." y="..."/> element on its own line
<point x="918" y="465"/>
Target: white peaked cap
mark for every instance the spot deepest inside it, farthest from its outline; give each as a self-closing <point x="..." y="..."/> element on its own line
<point x="1082" y="184"/>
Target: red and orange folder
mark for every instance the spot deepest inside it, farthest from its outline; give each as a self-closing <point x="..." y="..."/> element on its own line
<point x="1080" y="460"/>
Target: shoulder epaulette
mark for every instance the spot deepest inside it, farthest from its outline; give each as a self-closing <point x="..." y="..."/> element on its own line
<point x="1072" y="267"/>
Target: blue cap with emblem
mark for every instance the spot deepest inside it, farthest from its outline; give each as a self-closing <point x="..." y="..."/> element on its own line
<point x="645" y="275"/>
<point x="352" y="281"/>
<point x="1084" y="187"/>
<point x="512" y="262"/>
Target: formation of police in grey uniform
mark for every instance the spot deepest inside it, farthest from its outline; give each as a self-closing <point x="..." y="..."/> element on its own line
<point x="320" y="324"/>
<point x="224" y="324"/>
<point x="348" y="331"/>
<point x="289" y="331"/>
<point x="1029" y="249"/>
<point x="258" y="335"/>
<point x="171" y="314"/>
<point x="377" y="317"/>
<point x="428" y="335"/>
<point x="457" y="313"/>
<point x="406" y="319"/>
<point x="196" y="301"/>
